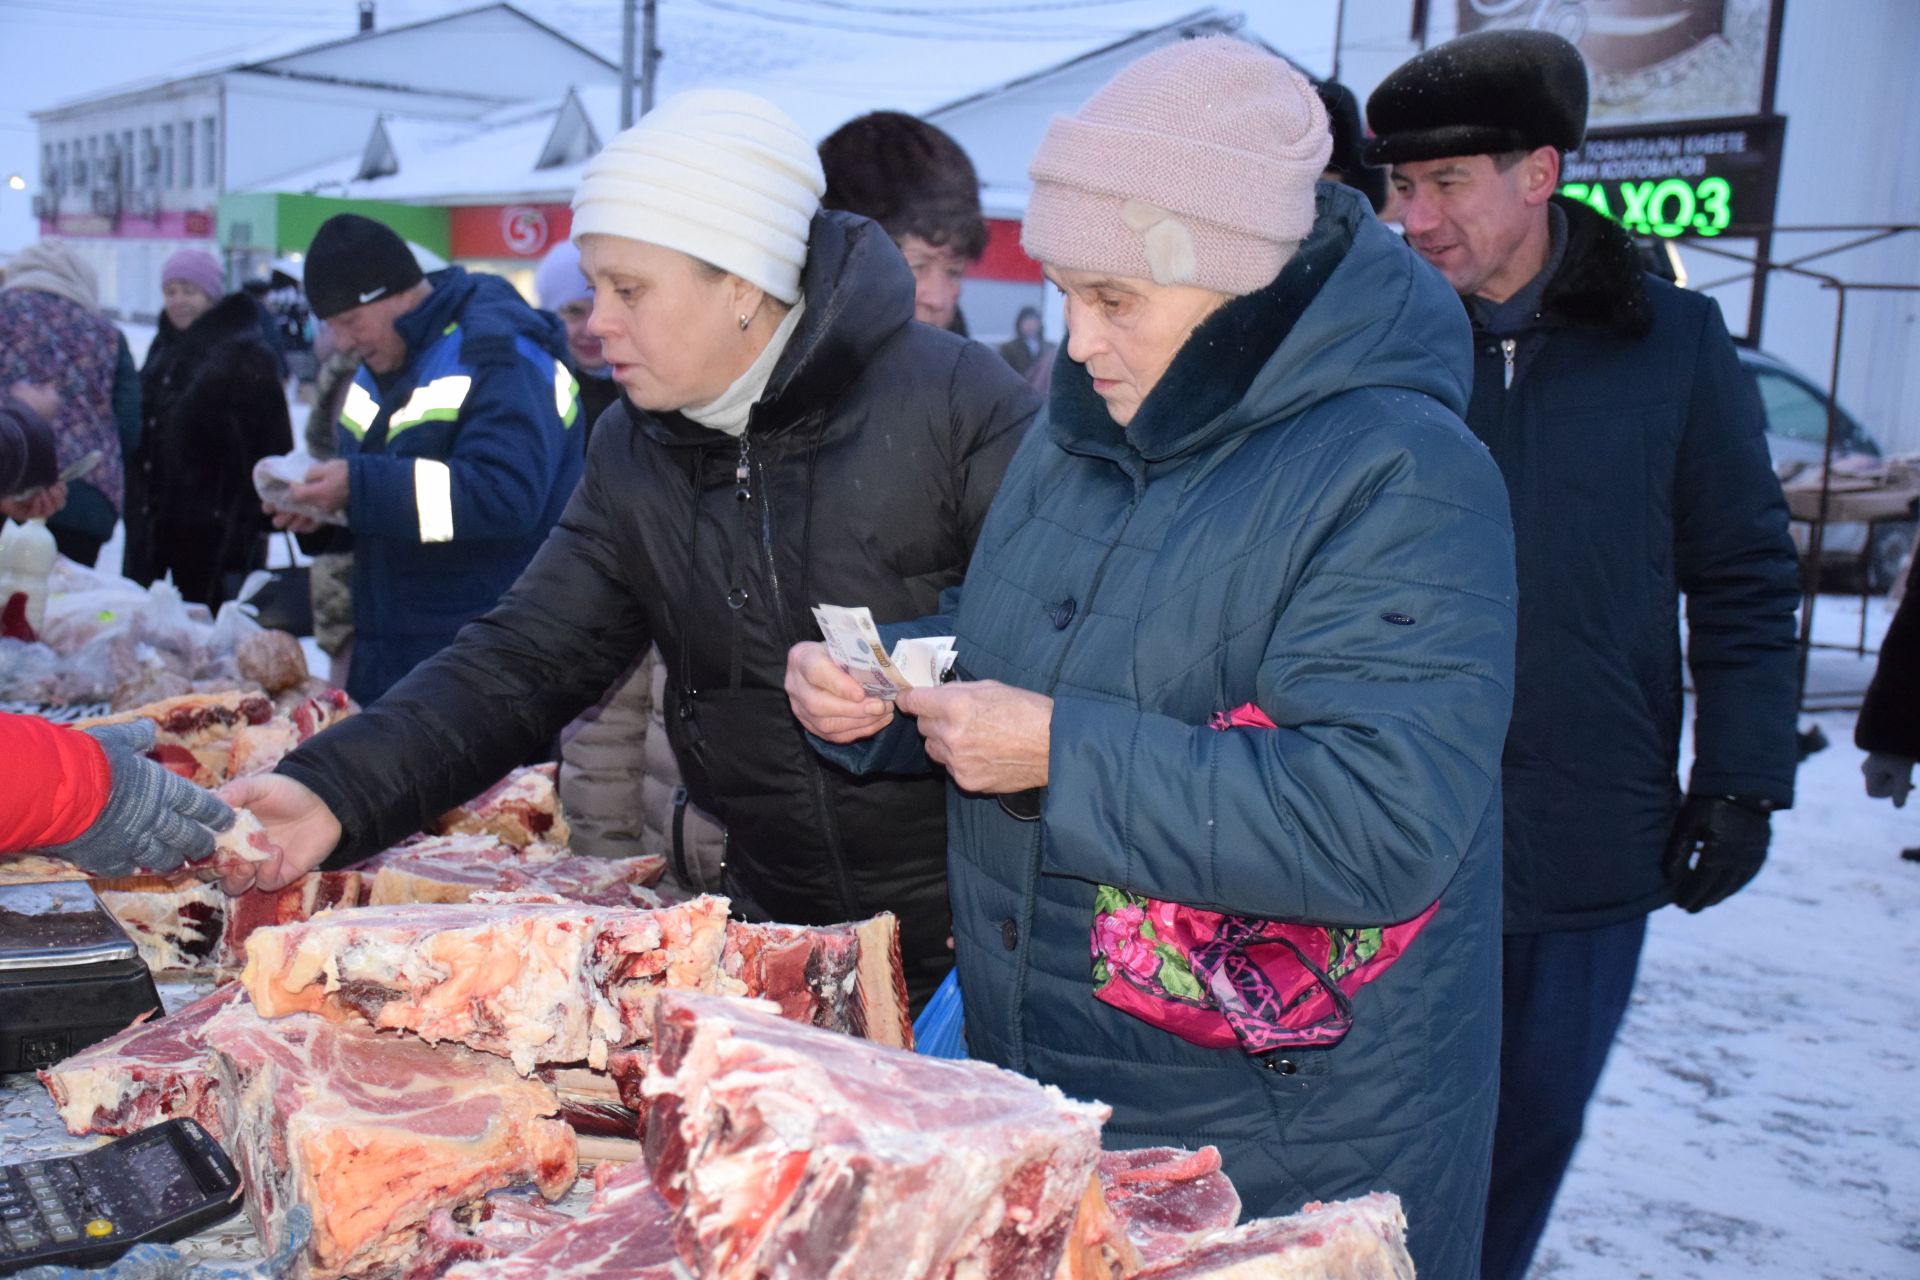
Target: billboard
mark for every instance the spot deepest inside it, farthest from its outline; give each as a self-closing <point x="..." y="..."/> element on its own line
<point x="1703" y="178"/>
<point x="1651" y="61"/>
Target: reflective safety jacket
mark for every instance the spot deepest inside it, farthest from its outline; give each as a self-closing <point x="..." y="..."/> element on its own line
<point x="459" y="462"/>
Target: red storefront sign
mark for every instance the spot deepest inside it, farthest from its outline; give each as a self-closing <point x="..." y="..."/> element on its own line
<point x="1003" y="259"/>
<point x="507" y="230"/>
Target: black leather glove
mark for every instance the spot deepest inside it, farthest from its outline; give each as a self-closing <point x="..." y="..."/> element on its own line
<point x="153" y="818"/>
<point x="1718" y="844"/>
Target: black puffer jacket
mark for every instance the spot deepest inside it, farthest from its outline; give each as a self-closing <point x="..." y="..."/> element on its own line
<point x="871" y="461"/>
<point x="213" y="406"/>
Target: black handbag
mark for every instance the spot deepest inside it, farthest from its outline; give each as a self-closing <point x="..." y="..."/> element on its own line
<point x="283" y="600"/>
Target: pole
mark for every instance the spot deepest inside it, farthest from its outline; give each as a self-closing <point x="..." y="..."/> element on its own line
<point x="649" y="52"/>
<point x="626" y="63"/>
<point x="1816" y="533"/>
<point x="1339" y="34"/>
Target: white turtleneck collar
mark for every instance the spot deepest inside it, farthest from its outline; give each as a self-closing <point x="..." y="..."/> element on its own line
<point x="729" y="412"/>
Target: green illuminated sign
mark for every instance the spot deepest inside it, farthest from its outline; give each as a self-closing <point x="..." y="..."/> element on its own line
<point x="1669" y="207"/>
<point x="1699" y="178"/>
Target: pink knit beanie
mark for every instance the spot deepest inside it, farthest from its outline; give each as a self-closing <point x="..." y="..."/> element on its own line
<point x="198" y="268"/>
<point x="1195" y="165"/>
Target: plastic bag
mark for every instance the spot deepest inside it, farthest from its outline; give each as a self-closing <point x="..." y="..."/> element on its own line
<point x="941" y="1029"/>
<point x="274" y="478"/>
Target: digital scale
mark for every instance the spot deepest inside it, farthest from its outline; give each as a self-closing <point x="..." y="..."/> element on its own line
<point x="69" y="974"/>
<point x="165" y="1182"/>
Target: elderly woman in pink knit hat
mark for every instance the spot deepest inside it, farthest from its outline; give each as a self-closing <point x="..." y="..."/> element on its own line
<point x="1235" y="651"/>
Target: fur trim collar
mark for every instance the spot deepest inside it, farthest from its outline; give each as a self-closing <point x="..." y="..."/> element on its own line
<point x="1601" y="283"/>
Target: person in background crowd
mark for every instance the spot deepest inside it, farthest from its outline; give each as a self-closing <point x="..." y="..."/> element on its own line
<point x="52" y="334"/>
<point x="791" y="437"/>
<point x="1028" y="351"/>
<point x="1633" y="449"/>
<point x="330" y="573"/>
<point x="916" y="182"/>
<point x="1251" y="486"/>
<point x="457" y="443"/>
<point x="214" y="405"/>
<point x="561" y="289"/>
<point x="29" y="488"/>
<point x="1348" y="164"/>
<point x="1888" y="729"/>
<point x="94" y="798"/>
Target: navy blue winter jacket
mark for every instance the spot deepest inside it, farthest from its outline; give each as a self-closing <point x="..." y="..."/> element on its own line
<point x="1635" y="459"/>
<point x="460" y="461"/>
<point x="1298" y="518"/>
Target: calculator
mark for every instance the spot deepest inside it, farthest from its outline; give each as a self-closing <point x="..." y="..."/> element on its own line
<point x="165" y="1182"/>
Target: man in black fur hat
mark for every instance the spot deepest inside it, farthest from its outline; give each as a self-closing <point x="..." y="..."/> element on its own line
<point x="1632" y="445"/>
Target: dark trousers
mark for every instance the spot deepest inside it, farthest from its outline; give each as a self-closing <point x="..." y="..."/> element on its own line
<point x="1563" y="995"/>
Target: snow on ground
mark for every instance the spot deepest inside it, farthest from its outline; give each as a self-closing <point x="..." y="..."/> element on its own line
<point x="1758" y="1118"/>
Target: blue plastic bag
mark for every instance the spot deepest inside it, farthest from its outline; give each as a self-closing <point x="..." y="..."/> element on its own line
<point x="941" y="1029"/>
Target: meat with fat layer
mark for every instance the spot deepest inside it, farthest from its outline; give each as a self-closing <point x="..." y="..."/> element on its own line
<point x="454" y="868"/>
<point x="502" y="1223"/>
<point x="154" y="1070"/>
<point x="521" y="808"/>
<point x="788" y="1151"/>
<point x="1168" y="1199"/>
<point x="845" y="978"/>
<point x="260" y="908"/>
<point x="625" y="1234"/>
<point x="372" y="1133"/>
<point x="535" y="982"/>
<point x="1360" y="1239"/>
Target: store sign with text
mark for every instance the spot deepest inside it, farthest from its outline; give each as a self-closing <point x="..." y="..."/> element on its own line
<point x="1704" y="179"/>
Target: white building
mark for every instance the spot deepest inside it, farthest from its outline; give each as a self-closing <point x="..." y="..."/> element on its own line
<point x="131" y="174"/>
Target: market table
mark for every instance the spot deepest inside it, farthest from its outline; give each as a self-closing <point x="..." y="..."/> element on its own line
<point x="30" y="1129"/>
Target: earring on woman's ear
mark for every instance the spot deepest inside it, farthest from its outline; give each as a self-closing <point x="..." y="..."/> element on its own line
<point x="744" y="321"/>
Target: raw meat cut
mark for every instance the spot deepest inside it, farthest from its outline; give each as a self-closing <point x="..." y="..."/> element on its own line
<point x="1359" y="1239"/>
<point x="259" y="747"/>
<point x="372" y="1133"/>
<point x="591" y="1100"/>
<point x="1167" y="1199"/>
<point x="36" y="868"/>
<point x="536" y="982"/>
<point x="174" y="919"/>
<point x="153" y="1071"/>
<point x="195" y="730"/>
<point x="628" y="1069"/>
<point x="259" y="908"/>
<point x="788" y="1151"/>
<point x="844" y="978"/>
<point x="521" y="808"/>
<point x="504" y="1222"/>
<point x="625" y="1234"/>
<point x="454" y="868"/>
<point x="240" y="847"/>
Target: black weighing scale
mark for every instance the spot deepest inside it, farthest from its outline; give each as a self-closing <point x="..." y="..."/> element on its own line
<point x="69" y="974"/>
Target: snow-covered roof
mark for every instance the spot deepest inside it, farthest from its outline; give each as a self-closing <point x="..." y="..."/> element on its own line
<point x="500" y="159"/>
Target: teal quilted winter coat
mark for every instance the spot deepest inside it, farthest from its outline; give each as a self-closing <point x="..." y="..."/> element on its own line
<point x="1298" y="518"/>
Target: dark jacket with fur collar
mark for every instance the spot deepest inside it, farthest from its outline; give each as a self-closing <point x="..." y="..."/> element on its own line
<point x="1633" y="448"/>
<point x="213" y="406"/>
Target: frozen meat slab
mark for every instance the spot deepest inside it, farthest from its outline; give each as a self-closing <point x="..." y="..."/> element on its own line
<point x="1360" y="1239"/>
<point x="532" y="981"/>
<point x="1167" y="1199"/>
<point x="789" y="1151"/>
<point x="372" y="1133"/>
<point x="843" y="978"/>
<point x="454" y="868"/>
<point x="521" y="808"/>
<point x="153" y="1071"/>
<point x="625" y="1234"/>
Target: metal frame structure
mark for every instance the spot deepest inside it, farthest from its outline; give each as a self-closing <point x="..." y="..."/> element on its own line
<point x="1760" y="267"/>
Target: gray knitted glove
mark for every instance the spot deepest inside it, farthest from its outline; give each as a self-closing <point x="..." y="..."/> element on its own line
<point x="153" y="818"/>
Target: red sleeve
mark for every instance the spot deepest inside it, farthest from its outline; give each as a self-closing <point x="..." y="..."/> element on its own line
<point x="54" y="783"/>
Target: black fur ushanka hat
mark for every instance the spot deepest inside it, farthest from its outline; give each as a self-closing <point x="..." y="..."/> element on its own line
<point x="1482" y="94"/>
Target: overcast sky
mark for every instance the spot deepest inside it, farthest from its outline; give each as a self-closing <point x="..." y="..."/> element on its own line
<point x="57" y="50"/>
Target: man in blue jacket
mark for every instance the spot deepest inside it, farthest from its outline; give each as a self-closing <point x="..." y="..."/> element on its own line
<point x="1633" y="449"/>
<point x="457" y="447"/>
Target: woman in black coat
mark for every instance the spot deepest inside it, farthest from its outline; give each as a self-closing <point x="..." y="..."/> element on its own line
<point x="213" y="406"/>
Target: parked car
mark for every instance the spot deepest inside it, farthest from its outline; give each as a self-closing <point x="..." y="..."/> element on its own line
<point x="1796" y="409"/>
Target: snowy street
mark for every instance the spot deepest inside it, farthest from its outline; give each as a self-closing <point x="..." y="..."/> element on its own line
<point x="1757" y="1118"/>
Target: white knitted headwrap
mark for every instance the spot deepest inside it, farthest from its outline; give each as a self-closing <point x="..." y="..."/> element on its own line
<point x="723" y="176"/>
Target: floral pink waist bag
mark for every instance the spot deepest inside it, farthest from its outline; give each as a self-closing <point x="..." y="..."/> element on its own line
<point x="1226" y="982"/>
